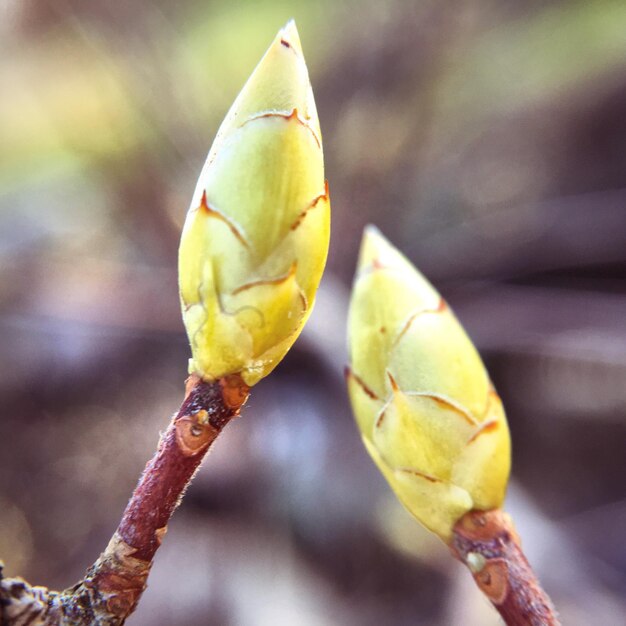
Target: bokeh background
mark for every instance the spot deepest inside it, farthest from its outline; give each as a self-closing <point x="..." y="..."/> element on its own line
<point x="486" y="138"/>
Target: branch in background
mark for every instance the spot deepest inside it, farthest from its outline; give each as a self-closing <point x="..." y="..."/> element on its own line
<point x="112" y="586"/>
<point x="487" y="543"/>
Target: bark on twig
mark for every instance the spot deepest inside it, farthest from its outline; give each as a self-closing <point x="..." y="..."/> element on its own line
<point x="112" y="586"/>
<point x="487" y="543"/>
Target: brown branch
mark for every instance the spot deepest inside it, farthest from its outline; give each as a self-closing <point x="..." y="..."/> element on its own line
<point x="487" y="543"/>
<point x="112" y="586"/>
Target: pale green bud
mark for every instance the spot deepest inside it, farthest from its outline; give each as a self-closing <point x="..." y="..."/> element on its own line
<point x="428" y="414"/>
<point x="255" y="241"/>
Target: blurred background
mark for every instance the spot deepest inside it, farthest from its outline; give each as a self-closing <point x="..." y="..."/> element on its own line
<point x="487" y="139"/>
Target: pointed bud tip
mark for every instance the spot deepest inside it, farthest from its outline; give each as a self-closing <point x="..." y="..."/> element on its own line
<point x="371" y="230"/>
<point x="288" y="36"/>
<point x="377" y="252"/>
<point x="374" y="248"/>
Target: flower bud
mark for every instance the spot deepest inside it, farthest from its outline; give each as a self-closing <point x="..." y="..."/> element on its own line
<point x="255" y="240"/>
<point x="427" y="412"/>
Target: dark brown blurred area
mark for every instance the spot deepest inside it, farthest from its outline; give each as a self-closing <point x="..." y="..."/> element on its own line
<point x="486" y="139"/>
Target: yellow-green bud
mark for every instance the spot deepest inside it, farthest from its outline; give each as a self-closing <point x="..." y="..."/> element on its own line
<point x="428" y="414"/>
<point x="255" y="241"/>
